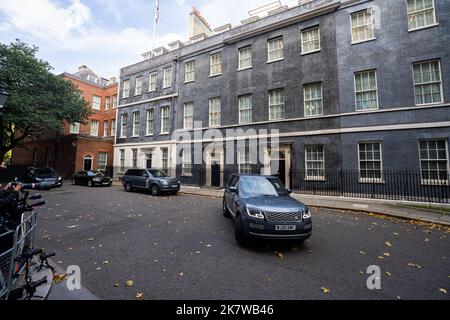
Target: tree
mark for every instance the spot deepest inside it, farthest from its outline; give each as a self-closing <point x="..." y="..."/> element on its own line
<point x="39" y="101"/>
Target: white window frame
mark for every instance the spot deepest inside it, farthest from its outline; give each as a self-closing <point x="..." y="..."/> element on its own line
<point x="431" y="182"/>
<point x="189" y="71"/>
<point x="352" y="27"/>
<point x="123" y="125"/>
<point x="113" y="128"/>
<point x="272" y="51"/>
<point x="100" y="161"/>
<point x="139" y="82"/>
<point x="114" y="101"/>
<point x="96" y="102"/>
<point x="91" y="131"/>
<point x="371" y="180"/>
<point x="247" y="108"/>
<point x="165" y="159"/>
<point x="247" y="59"/>
<point x="186" y="163"/>
<point x="152" y="81"/>
<point x="244" y="166"/>
<point x="136" y="124"/>
<point x="121" y="160"/>
<point x="74" y="128"/>
<point x="356" y="92"/>
<point x="150" y="129"/>
<point x="190" y="116"/>
<point x="106" y="128"/>
<point x="276" y="105"/>
<point x="441" y="88"/>
<point x="305" y="101"/>
<point x="303" y="32"/>
<point x="168" y="77"/>
<point x="107" y="103"/>
<point x="215" y="68"/>
<point x="126" y="89"/>
<point x="215" y="115"/>
<point x="409" y="14"/>
<point x="165" y="116"/>
<point x="322" y="162"/>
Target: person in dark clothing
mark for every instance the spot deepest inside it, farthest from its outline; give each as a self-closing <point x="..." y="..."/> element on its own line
<point x="8" y="198"/>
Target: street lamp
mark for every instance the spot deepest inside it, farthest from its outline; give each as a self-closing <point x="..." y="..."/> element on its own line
<point x="3" y="98"/>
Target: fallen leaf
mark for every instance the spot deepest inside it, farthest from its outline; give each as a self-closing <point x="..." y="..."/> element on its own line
<point x="413" y="265"/>
<point x="139" y="295"/>
<point x="427" y="240"/>
<point x="129" y="283"/>
<point x="398" y="297"/>
<point x="443" y="290"/>
<point x="362" y="252"/>
<point x="388" y="244"/>
<point x="116" y="285"/>
<point x="181" y="274"/>
<point x="386" y="254"/>
<point x="388" y="273"/>
<point x="325" y="290"/>
<point x="98" y="269"/>
<point x="105" y="262"/>
<point x="57" y="278"/>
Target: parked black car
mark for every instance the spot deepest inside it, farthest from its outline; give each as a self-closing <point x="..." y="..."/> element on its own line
<point x="262" y="208"/>
<point x="46" y="175"/>
<point x="91" y="179"/>
<point x="150" y="179"/>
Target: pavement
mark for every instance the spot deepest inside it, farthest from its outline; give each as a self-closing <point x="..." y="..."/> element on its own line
<point x="399" y="209"/>
<point x="135" y="246"/>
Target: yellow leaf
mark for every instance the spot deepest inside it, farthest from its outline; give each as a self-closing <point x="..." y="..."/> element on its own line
<point x="386" y="254"/>
<point x="57" y="278"/>
<point x="413" y="265"/>
<point x="387" y="243"/>
<point x="116" y="285"/>
<point x="139" y="295"/>
<point x="443" y="290"/>
<point x="362" y="252"/>
<point x="325" y="290"/>
<point x="129" y="283"/>
<point x="388" y="273"/>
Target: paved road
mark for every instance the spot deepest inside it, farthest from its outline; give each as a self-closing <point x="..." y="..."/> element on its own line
<point x="183" y="248"/>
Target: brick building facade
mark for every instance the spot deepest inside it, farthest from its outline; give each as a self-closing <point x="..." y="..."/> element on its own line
<point x="84" y="146"/>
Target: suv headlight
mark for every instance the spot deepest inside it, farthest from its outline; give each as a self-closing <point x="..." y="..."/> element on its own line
<point x="307" y="214"/>
<point x="255" y="214"/>
<point x="59" y="178"/>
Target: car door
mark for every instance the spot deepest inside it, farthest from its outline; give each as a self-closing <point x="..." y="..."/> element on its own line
<point x="230" y="195"/>
<point x="140" y="179"/>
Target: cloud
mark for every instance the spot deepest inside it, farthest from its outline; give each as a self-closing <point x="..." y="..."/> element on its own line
<point x="43" y="19"/>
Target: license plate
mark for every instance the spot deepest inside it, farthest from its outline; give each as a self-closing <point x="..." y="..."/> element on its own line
<point x="105" y="183"/>
<point x="285" y="228"/>
<point x="175" y="186"/>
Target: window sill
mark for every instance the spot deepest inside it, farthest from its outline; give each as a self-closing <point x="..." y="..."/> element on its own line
<point x="436" y="183"/>
<point x="367" y="110"/>
<point x="272" y="61"/>
<point x="188" y="175"/>
<point x="362" y="41"/>
<point x="135" y="136"/>
<point x="169" y="87"/>
<point x="278" y="119"/>
<point x="242" y="69"/>
<point x="164" y="134"/>
<point x="190" y="81"/>
<point x="151" y="91"/>
<point x="313" y="115"/>
<point x="121" y="137"/>
<point x="215" y="126"/>
<point x="371" y="181"/>
<point x="310" y="52"/>
<point x="426" y="27"/>
<point x="137" y="94"/>
<point x="318" y="179"/>
<point x="215" y="75"/>
<point x="149" y="135"/>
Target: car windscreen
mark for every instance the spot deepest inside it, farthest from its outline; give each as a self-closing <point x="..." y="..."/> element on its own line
<point x="251" y="187"/>
<point x="44" y="171"/>
<point x="157" y="173"/>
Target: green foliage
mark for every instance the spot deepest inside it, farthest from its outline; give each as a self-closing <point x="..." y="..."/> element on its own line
<point x="39" y="101"/>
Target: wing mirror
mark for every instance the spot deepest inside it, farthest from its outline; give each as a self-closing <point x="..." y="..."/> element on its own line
<point x="232" y="189"/>
<point x="289" y="191"/>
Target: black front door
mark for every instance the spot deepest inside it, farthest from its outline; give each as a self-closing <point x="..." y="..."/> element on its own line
<point x="215" y="175"/>
<point x="280" y="173"/>
<point x="87" y="164"/>
<point x="149" y="163"/>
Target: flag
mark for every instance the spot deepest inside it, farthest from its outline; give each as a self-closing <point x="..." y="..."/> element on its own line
<point x="157" y="12"/>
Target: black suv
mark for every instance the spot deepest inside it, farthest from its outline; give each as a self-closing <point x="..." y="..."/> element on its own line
<point x="150" y="179"/>
<point x="262" y="208"/>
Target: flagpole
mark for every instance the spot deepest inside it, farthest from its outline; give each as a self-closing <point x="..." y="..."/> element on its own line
<point x="154" y="23"/>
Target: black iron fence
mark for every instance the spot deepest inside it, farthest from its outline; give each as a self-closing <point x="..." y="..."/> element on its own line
<point x="391" y="185"/>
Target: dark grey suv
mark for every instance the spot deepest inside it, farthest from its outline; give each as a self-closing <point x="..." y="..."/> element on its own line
<point x="149" y="179"/>
<point x="262" y="208"/>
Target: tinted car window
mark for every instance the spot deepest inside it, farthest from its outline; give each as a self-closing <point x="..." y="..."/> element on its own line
<point x="44" y="171"/>
<point x="261" y="186"/>
<point x="233" y="181"/>
<point x="130" y="173"/>
<point x="157" y="173"/>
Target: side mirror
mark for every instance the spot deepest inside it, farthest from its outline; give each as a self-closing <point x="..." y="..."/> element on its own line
<point x="289" y="190"/>
<point x="232" y="189"/>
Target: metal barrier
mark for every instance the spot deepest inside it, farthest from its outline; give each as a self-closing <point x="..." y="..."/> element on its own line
<point x="12" y="245"/>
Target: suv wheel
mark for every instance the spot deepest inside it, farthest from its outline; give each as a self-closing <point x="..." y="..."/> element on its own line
<point x="154" y="190"/>
<point x="225" y="211"/>
<point x="128" y="187"/>
<point x="239" y="235"/>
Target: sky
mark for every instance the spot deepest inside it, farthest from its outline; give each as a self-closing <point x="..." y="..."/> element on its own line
<point x="106" y="35"/>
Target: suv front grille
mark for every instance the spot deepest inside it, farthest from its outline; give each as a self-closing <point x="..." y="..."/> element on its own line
<point x="283" y="216"/>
